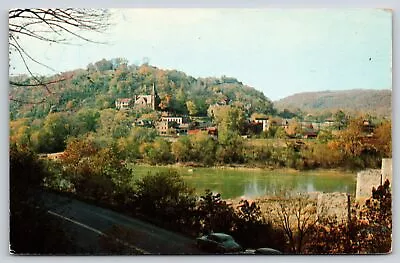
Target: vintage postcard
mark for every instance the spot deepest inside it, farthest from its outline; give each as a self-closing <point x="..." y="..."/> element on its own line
<point x="200" y="131"/>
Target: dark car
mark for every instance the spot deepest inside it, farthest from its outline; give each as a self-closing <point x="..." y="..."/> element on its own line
<point x="218" y="243"/>
<point x="262" y="251"/>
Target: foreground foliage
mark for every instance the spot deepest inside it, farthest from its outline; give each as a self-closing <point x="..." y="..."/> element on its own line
<point x="96" y="174"/>
<point x="32" y="229"/>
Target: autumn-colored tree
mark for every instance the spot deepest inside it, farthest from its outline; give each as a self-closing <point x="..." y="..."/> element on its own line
<point x="114" y="124"/>
<point x="192" y="108"/>
<point x="294" y="128"/>
<point x="165" y="103"/>
<point x="374" y="225"/>
<point x="129" y="147"/>
<point x="20" y="132"/>
<point x="95" y="172"/>
<point x="181" y="149"/>
<point x="383" y="135"/>
<point x="350" y="138"/>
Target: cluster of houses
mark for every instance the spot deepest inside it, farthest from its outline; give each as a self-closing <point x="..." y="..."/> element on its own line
<point x="170" y="125"/>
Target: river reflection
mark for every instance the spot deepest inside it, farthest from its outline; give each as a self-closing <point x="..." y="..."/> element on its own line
<point x="252" y="184"/>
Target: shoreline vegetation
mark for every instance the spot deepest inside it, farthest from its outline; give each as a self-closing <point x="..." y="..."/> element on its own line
<point x="244" y="167"/>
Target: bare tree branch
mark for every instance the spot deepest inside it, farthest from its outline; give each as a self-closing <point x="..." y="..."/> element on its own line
<point x="35" y="85"/>
<point x="52" y="25"/>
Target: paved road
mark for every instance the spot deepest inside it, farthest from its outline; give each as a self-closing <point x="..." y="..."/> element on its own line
<point x="97" y="230"/>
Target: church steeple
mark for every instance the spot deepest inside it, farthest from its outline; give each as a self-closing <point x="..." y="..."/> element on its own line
<point x="153" y="97"/>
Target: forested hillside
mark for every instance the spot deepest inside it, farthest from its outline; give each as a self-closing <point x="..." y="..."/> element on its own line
<point x="101" y="83"/>
<point x="375" y="102"/>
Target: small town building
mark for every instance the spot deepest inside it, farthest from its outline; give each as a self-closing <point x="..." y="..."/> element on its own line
<point x="264" y="121"/>
<point x="182" y="129"/>
<point x="163" y="127"/>
<point x="143" y="123"/>
<point x="212" y="131"/>
<point x="144" y="101"/>
<point x="124" y="103"/>
<point x="178" y="120"/>
<point x="310" y="135"/>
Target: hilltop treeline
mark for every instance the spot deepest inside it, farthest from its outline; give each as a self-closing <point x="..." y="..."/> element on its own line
<point x="102" y="82"/>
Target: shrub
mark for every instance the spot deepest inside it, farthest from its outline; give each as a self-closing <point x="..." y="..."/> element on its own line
<point x="165" y="195"/>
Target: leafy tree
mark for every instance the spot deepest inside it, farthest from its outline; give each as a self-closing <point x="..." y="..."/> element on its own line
<point x="192" y="108"/>
<point x="182" y="149"/>
<point x="85" y="121"/>
<point x="103" y="65"/>
<point x="383" y="134"/>
<point x="350" y="138"/>
<point x="157" y="152"/>
<point x="215" y="214"/>
<point x="204" y="148"/>
<point x="113" y="123"/>
<point x="52" y="136"/>
<point x="287" y="114"/>
<point x="129" y="147"/>
<point x="324" y="136"/>
<point x="341" y="119"/>
<point x="294" y="128"/>
<point x="20" y="132"/>
<point x="166" y="195"/>
<point x="229" y="119"/>
<point x="252" y="230"/>
<point x="230" y="148"/>
<point x="95" y="172"/>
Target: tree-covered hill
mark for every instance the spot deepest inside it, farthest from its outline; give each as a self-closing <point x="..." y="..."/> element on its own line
<point x="102" y="82"/>
<point x="375" y="102"/>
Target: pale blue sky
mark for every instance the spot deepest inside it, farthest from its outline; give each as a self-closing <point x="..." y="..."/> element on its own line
<point x="277" y="51"/>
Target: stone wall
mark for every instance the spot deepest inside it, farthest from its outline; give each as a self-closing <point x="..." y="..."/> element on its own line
<point x="387" y="170"/>
<point x="373" y="178"/>
<point x="338" y="204"/>
<point x="365" y="181"/>
<point x="333" y="205"/>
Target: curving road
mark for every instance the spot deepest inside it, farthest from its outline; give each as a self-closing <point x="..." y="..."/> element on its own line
<point x="96" y="230"/>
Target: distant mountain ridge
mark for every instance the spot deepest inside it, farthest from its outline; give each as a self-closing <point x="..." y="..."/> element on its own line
<point x="378" y="102"/>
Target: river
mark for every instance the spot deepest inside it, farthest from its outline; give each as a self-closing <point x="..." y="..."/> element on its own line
<point x="252" y="183"/>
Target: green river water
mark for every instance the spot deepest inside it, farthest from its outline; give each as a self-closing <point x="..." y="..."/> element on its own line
<point x="252" y="183"/>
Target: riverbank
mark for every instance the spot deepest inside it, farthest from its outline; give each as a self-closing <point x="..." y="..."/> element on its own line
<point x="244" y="168"/>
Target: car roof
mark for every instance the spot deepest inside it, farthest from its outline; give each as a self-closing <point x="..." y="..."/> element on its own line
<point x="267" y="250"/>
<point x="220" y="235"/>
